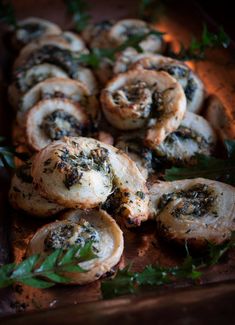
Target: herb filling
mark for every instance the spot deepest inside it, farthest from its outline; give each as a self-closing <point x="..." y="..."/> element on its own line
<point x="96" y="159"/>
<point x="197" y="201"/>
<point x="133" y="94"/>
<point x="59" y="124"/>
<point x="66" y="235"/>
<point x="63" y="58"/>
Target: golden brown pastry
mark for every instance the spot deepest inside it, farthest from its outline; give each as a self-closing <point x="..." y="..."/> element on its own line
<point x="51" y="88"/>
<point x="32" y="28"/>
<point x="24" y="196"/>
<point x="192" y="85"/>
<point x="141" y="98"/>
<point x="52" y="119"/>
<point x="67" y="60"/>
<point x="194" y="210"/>
<point x="194" y="136"/>
<point x="84" y="173"/>
<point x="77" y="228"/>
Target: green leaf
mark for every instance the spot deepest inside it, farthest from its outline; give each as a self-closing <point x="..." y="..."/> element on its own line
<point x="30" y="271"/>
<point x="207" y="167"/>
<point x="94" y="58"/>
<point x="153" y="275"/>
<point x="215" y="252"/>
<point x="25" y="267"/>
<point x="122" y="284"/>
<point x="79" y="10"/>
<point x="50" y="261"/>
<point x="69" y="255"/>
<point x="86" y="253"/>
<point x="7" y="13"/>
<point x="197" y="47"/>
<point x="57" y="278"/>
<point x="37" y="283"/>
<point x="5" y="273"/>
<point x="73" y="268"/>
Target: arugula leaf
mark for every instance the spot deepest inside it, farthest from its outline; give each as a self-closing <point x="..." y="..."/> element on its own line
<point x="126" y="282"/>
<point x="7" y="13"/>
<point x="208" y="167"/>
<point x="197" y="48"/>
<point x="78" y="8"/>
<point x="34" y="268"/>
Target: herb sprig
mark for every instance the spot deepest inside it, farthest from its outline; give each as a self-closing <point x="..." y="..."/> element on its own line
<point x="208" y="167"/>
<point x="7" y="13"/>
<point x="8" y="153"/>
<point x="45" y="272"/>
<point x="126" y="281"/>
<point x="94" y="58"/>
<point x="79" y="10"/>
<point x="197" y="47"/>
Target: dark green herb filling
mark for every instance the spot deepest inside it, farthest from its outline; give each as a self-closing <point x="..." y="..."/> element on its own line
<point x="137" y="92"/>
<point x="176" y="71"/>
<point x="184" y="133"/>
<point x="197" y="201"/>
<point x="97" y="159"/>
<point x="63" y="58"/>
<point x="190" y="89"/>
<point x="66" y="235"/>
<point x="31" y="31"/>
<point x="59" y="124"/>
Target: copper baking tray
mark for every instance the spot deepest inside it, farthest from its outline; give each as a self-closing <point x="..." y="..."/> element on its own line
<point x="212" y="298"/>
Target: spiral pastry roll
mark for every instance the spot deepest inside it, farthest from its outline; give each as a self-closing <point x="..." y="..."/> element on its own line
<point x="196" y="211"/>
<point x="97" y="35"/>
<point x="192" y="85"/>
<point x="194" y="136"/>
<point x="150" y="99"/>
<point x="24" y="196"/>
<point x="65" y="59"/>
<point x="32" y="28"/>
<point x="221" y="118"/>
<point x="30" y="78"/>
<point x="123" y="29"/>
<point x="78" y="228"/>
<point x="83" y="173"/>
<point x="52" y="119"/>
<point x="66" y="40"/>
<point x="63" y="88"/>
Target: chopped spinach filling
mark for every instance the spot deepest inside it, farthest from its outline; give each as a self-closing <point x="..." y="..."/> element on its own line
<point x="197" y="201"/>
<point x="59" y="124"/>
<point x="66" y="235"/>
